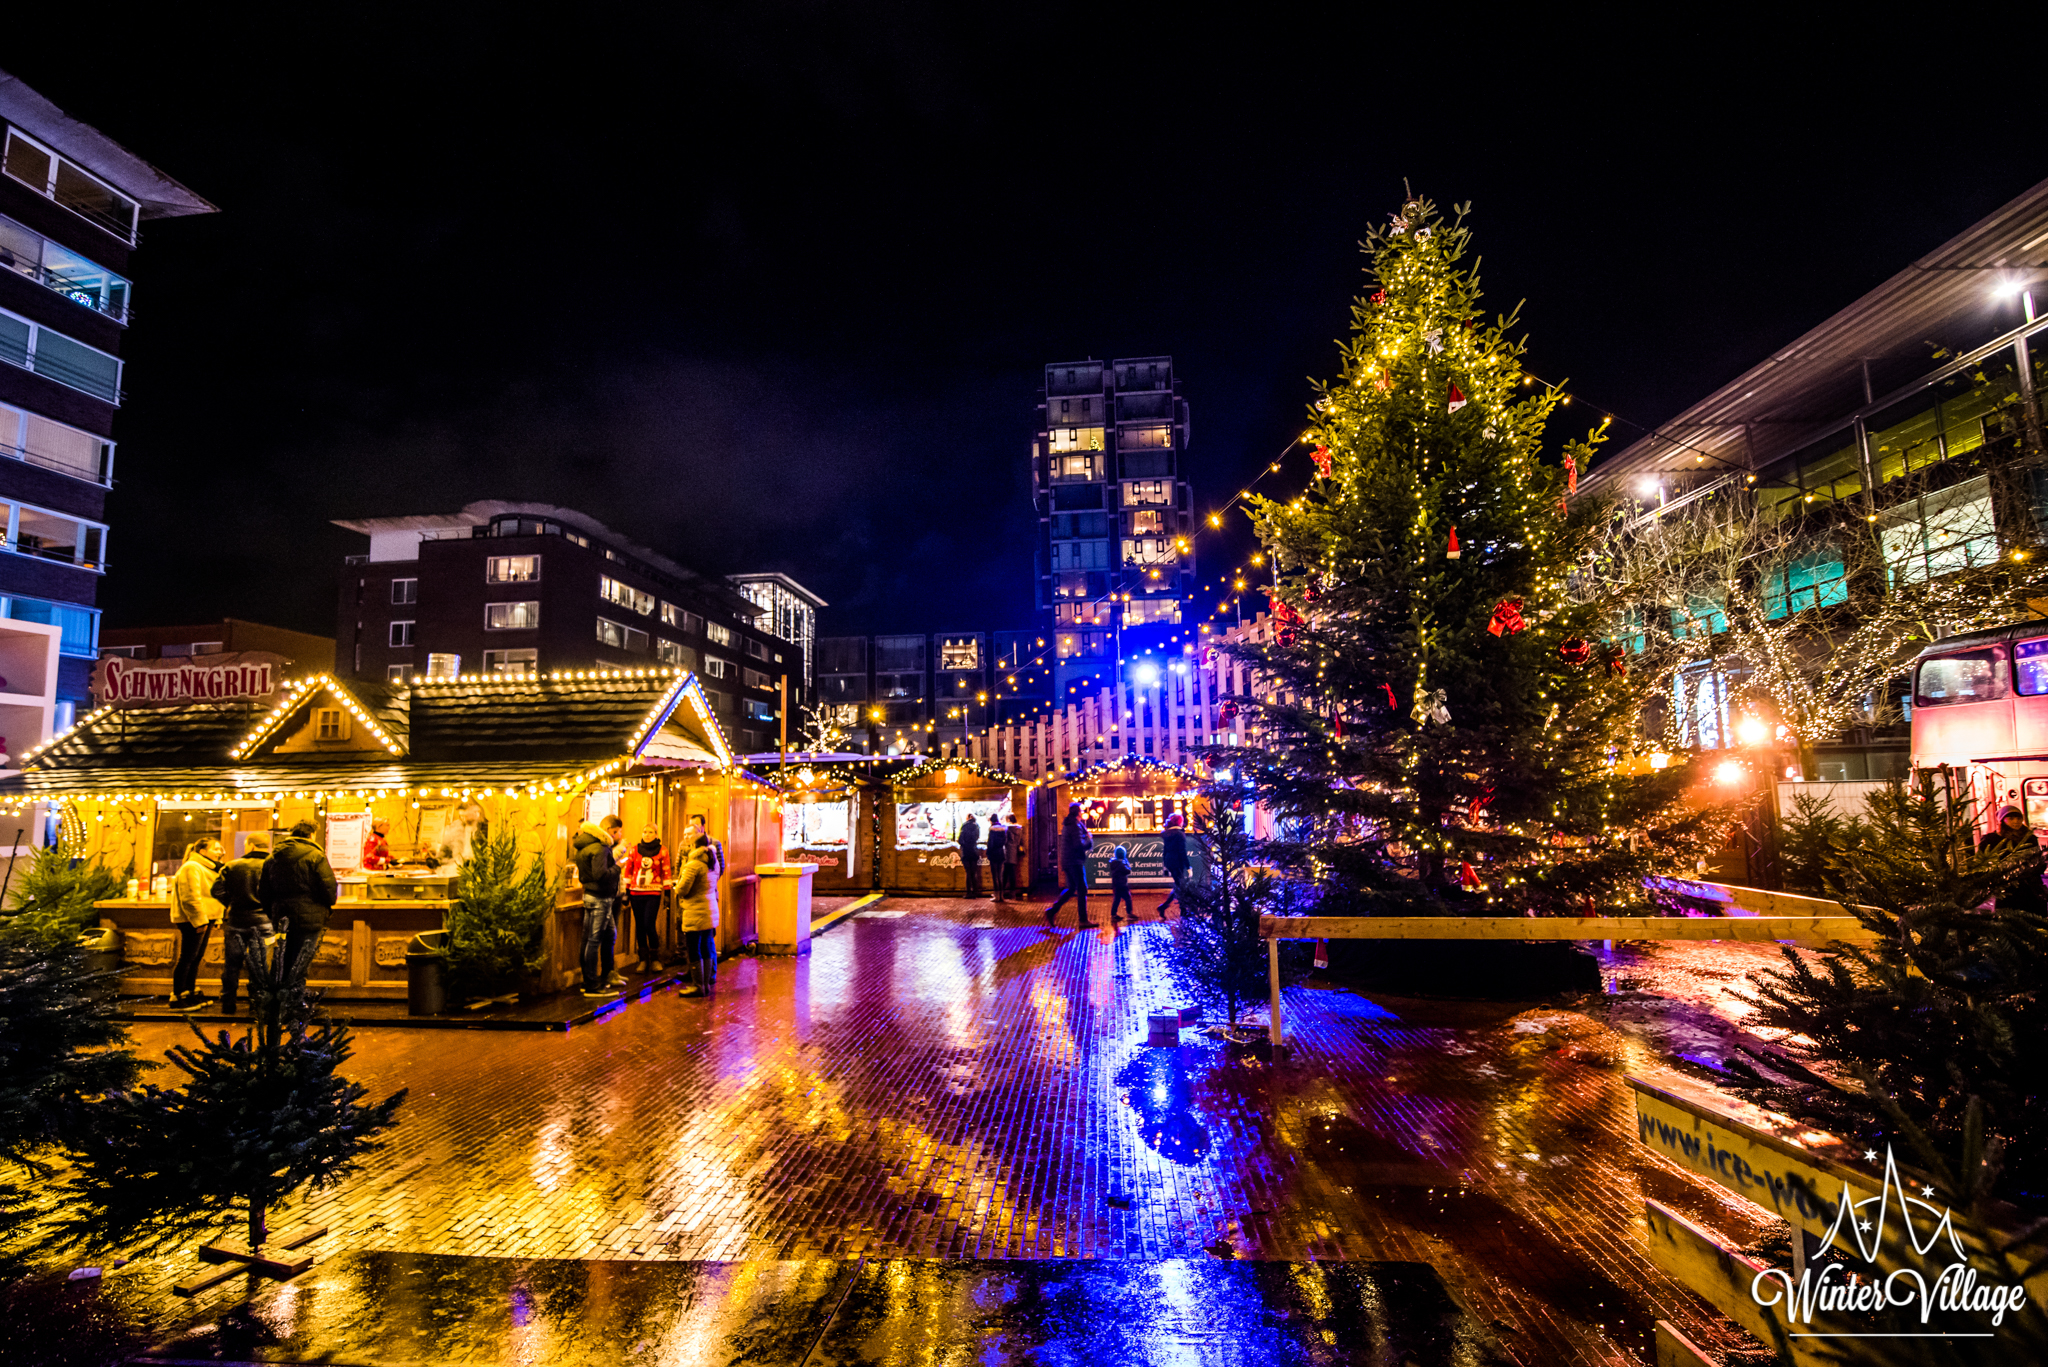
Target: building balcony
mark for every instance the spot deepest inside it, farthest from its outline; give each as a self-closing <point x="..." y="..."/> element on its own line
<point x="94" y="469"/>
<point x="85" y="283"/>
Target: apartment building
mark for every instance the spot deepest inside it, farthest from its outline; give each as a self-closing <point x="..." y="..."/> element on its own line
<point x="72" y="203"/>
<point x="1116" y="565"/>
<point x="510" y="588"/>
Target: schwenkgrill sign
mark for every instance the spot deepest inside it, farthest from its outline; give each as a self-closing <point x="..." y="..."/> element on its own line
<point x="246" y="676"/>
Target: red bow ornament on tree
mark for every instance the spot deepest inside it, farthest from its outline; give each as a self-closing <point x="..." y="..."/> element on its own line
<point x="1571" y="475"/>
<point x="1321" y="456"/>
<point x="1479" y="804"/>
<point x="1617" y="666"/>
<point x="1507" y="617"/>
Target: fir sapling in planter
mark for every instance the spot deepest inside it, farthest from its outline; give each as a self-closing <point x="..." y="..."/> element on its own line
<point x="497" y="927"/>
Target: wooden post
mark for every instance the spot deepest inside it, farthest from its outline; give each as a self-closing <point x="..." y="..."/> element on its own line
<point x="1278" y="1035"/>
<point x="782" y="711"/>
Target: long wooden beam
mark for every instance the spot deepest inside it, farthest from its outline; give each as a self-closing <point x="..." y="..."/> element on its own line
<point x="1811" y="932"/>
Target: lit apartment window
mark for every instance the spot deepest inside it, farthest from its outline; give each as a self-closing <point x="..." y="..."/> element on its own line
<point x="34" y="347"/>
<point x="512" y="569"/>
<point x="525" y="661"/>
<point x="1076" y="439"/>
<point x="511" y="616"/>
<point x="671" y="653"/>
<point x="1144" y="438"/>
<point x="30" y="437"/>
<point x="330" y="723"/>
<point x="53" y="536"/>
<point x="959" y="652"/>
<point x="1148" y="522"/>
<point x="722" y="635"/>
<point x="443" y="666"/>
<point x="619" y="636"/>
<point x="65" y="271"/>
<point x="760" y="711"/>
<point x="1143" y="492"/>
<point x="49" y="175"/>
<point x="401" y="633"/>
<point x="405" y="591"/>
<point x="625" y="595"/>
<point x="715" y="668"/>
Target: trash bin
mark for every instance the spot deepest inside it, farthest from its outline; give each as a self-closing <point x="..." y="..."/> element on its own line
<point x="102" y="947"/>
<point x="426" y="974"/>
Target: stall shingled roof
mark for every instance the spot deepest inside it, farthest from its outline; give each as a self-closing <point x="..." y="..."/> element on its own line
<point x="488" y="730"/>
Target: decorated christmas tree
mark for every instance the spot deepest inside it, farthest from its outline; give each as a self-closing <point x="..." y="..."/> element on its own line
<point x="1449" y="713"/>
<point x="257" y="1118"/>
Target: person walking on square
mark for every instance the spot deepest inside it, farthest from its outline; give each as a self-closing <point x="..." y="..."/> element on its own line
<point x="195" y="913"/>
<point x="696" y="886"/>
<point x="598" y="873"/>
<point x="1074" y="845"/>
<point x="298" y="891"/>
<point x="1120" y="884"/>
<point x="998" y="857"/>
<point x="1174" y="854"/>
<point x="247" y="931"/>
<point x="970" y="853"/>
<point x="647" y="877"/>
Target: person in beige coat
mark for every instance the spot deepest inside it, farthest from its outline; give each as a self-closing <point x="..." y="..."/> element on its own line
<point x="696" y="910"/>
<point x="195" y="913"/>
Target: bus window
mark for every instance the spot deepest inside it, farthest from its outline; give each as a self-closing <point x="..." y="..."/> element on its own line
<point x="2037" y="802"/>
<point x="1968" y="677"/>
<point x="2030" y="662"/>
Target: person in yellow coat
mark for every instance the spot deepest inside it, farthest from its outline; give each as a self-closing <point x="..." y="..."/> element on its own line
<point x="195" y="913"/>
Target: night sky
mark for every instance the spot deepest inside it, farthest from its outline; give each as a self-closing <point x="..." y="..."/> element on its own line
<point x="770" y="288"/>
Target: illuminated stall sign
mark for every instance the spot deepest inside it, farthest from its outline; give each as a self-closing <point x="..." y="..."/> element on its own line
<point x="247" y="676"/>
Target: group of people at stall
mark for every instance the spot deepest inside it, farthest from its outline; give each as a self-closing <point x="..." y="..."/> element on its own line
<point x="643" y="879"/>
<point x="1003" y="847"/>
<point x="290" y="890"/>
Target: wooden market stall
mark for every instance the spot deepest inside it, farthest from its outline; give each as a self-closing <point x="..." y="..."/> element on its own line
<point x="446" y="763"/>
<point x="832" y="805"/>
<point x="1126" y="801"/>
<point x="927" y="803"/>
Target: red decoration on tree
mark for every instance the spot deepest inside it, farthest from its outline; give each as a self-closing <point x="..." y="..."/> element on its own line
<point x="1457" y="399"/>
<point x="1617" y="665"/>
<point x="1468" y="877"/>
<point x="1321" y="456"/>
<point x="1392" y="704"/>
<point x="1571" y="475"/>
<point x="1479" y="804"/>
<point x="1507" y="617"/>
<point x="1575" y="650"/>
<point x="1228" y="712"/>
<point x="1454" y="552"/>
<point x="1380" y="298"/>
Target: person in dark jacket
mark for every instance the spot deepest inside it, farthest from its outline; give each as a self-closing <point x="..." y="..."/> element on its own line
<point x="248" y="928"/>
<point x="1120" y="883"/>
<point x="2025" y="892"/>
<point x="298" y="890"/>
<point x="998" y="858"/>
<point x="970" y="853"/>
<point x="1174" y="854"/>
<point x="1074" y="845"/>
<point x="598" y="873"/>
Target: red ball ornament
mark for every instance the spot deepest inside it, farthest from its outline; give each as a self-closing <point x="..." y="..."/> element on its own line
<point x="1575" y="650"/>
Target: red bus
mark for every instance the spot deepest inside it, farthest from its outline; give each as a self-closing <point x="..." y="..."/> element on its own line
<point x="1980" y="706"/>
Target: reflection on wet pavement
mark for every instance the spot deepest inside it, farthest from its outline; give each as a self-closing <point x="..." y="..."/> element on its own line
<point x="920" y="1088"/>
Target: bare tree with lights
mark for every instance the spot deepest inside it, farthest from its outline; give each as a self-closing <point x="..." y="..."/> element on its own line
<point x="1442" y="726"/>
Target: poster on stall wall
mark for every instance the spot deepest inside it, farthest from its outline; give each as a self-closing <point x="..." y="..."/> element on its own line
<point x="346" y="833"/>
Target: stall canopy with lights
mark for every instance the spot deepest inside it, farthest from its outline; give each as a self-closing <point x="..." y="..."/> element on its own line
<point x="832" y="809"/>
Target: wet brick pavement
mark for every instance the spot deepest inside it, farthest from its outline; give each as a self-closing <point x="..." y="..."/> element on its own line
<point x="921" y="1087"/>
